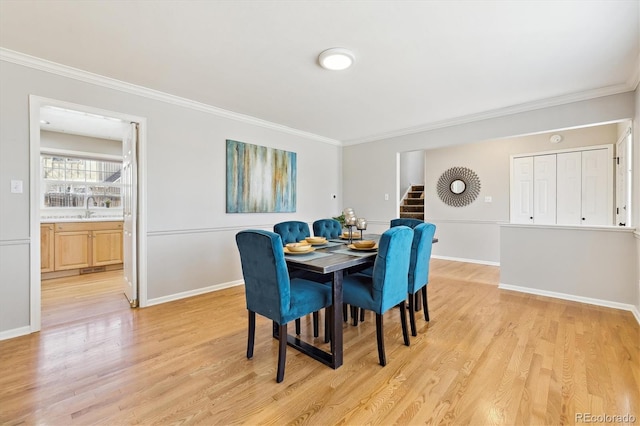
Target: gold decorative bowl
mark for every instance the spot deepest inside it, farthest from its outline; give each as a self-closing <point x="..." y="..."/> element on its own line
<point x="299" y="247"/>
<point x="316" y="240"/>
<point x="364" y="244"/>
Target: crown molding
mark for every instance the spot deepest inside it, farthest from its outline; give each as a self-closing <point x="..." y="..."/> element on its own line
<point x="111" y="83"/>
<point x="77" y="74"/>
<point x="629" y="86"/>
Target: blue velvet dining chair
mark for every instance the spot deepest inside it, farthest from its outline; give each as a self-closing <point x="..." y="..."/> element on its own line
<point x="406" y="221"/>
<point x="270" y="292"/>
<point x="387" y="286"/>
<point x="419" y="269"/>
<point x="292" y="231"/>
<point x="328" y="228"/>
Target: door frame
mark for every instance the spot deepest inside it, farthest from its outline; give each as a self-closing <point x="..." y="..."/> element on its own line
<point x="35" y="282"/>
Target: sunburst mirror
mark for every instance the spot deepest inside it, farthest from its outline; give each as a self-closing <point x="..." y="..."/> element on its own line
<point x="458" y="186"/>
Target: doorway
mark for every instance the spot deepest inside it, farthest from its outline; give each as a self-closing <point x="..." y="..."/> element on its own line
<point x="136" y="258"/>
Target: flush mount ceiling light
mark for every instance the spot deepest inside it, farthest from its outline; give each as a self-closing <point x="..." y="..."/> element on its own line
<point x="336" y="59"/>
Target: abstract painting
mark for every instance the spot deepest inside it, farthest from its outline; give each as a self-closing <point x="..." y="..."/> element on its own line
<point x="260" y="179"/>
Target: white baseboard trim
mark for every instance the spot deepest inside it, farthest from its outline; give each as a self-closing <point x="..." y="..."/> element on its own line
<point x="460" y="259"/>
<point x="16" y="332"/>
<point x="588" y="300"/>
<point x="191" y="293"/>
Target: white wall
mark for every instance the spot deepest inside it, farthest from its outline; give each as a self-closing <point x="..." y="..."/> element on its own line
<point x="190" y="239"/>
<point x="57" y="140"/>
<point x="411" y="169"/>
<point x="480" y="240"/>
<point x="471" y="232"/>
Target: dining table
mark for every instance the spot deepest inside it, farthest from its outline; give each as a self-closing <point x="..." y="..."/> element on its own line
<point x="331" y="259"/>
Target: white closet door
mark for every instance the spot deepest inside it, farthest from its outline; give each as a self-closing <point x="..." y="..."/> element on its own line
<point x="569" y="188"/>
<point x="597" y="187"/>
<point x="522" y="190"/>
<point x="544" y="189"/>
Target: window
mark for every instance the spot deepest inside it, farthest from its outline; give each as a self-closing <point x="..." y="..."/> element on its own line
<point x="71" y="182"/>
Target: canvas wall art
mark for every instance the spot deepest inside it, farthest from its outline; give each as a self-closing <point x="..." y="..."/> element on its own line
<point x="260" y="179"/>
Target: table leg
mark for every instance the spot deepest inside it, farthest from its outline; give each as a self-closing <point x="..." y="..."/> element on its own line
<point x="336" y="326"/>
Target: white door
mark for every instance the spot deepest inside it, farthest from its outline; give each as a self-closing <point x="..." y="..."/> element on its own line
<point x="129" y="202"/>
<point x="569" y="188"/>
<point x="522" y="190"/>
<point x="597" y="187"/>
<point x="544" y="189"/>
<point x="623" y="177"/>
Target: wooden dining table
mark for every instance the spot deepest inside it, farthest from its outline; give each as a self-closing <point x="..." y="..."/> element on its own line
<point x="332" y="260"/>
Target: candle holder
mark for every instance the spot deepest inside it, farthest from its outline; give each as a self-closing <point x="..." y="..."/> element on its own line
<point x="361" y="225"/>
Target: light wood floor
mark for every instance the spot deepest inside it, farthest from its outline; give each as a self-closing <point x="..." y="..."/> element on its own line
<point x="487" y="357"/>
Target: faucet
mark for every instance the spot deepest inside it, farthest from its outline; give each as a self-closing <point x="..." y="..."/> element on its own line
<point x="88" y="213"/>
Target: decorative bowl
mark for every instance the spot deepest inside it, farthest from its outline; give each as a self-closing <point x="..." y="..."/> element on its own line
<point x="299" y="247"/>
<point x="316" y="240"/>
<point x="364" y="244"/>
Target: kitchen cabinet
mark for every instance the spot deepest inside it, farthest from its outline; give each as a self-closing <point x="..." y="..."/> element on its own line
<point x="87" y="244"/>
<point x="46" y="247"/>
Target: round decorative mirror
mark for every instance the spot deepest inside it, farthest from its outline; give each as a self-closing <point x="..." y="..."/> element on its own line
<point x="458" y="186"/>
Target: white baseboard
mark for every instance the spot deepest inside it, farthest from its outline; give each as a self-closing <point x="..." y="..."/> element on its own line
<point x="598" y="302"/>
<point x="460" y="259"/>
<point x="16" y="332"/>
<point x="191" y="293"/>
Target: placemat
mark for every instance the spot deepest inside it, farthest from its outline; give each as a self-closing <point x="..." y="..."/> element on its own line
<point x="331" y="243"/>
<point x="356" y="252"/>
<point x="307" y="256"/>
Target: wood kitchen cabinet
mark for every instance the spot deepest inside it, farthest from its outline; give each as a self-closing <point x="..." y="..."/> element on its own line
<point x="47" y="247"/>
<point x="87" y="244"/>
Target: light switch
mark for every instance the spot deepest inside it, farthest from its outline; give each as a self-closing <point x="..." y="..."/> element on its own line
<point x="386" y="197"/>
<point x="16" y="186"/>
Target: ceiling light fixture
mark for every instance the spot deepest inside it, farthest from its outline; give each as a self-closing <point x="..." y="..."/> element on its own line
<point x="336" y="59"/>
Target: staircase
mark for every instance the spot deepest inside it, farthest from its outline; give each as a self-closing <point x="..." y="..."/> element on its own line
<point x="413" y="204"/>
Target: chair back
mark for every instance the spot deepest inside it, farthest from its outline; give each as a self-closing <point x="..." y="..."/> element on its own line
<point x="292" y="231"/>
<point x="266" y="279"/>
<point x="391" y="267"/>
<point x="420" y="256"/>
<point x="328" y="228"/>
<point x="406" y="221"/>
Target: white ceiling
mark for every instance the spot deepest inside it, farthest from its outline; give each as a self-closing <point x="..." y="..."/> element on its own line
<point x="419" y="64"/>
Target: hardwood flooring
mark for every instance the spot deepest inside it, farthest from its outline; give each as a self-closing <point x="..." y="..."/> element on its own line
<point x="488" y="356"/>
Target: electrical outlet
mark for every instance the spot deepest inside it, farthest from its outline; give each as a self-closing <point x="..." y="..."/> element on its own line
<point x="488" y="199"/>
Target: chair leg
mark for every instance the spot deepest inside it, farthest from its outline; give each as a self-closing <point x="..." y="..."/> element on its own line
<point x="354" y="315"/>
<point x="424" y="303"/>
<point x="403" y="321"/>
<point x="251" y="336"/>
<point x="412" y="314"/>
<point x="298" y="327"/>
<point x="315" y="324"/>
<point x="345" y="315"/>
<point x="380" y="337"/>
<point x="361" y="315"/>
<point x="282" y="352"/>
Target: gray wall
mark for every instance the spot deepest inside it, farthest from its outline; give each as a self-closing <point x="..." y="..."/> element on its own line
<point x="479" y="239"/>
<point x="475" y="225"/>
<point x="190" y="238"/>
